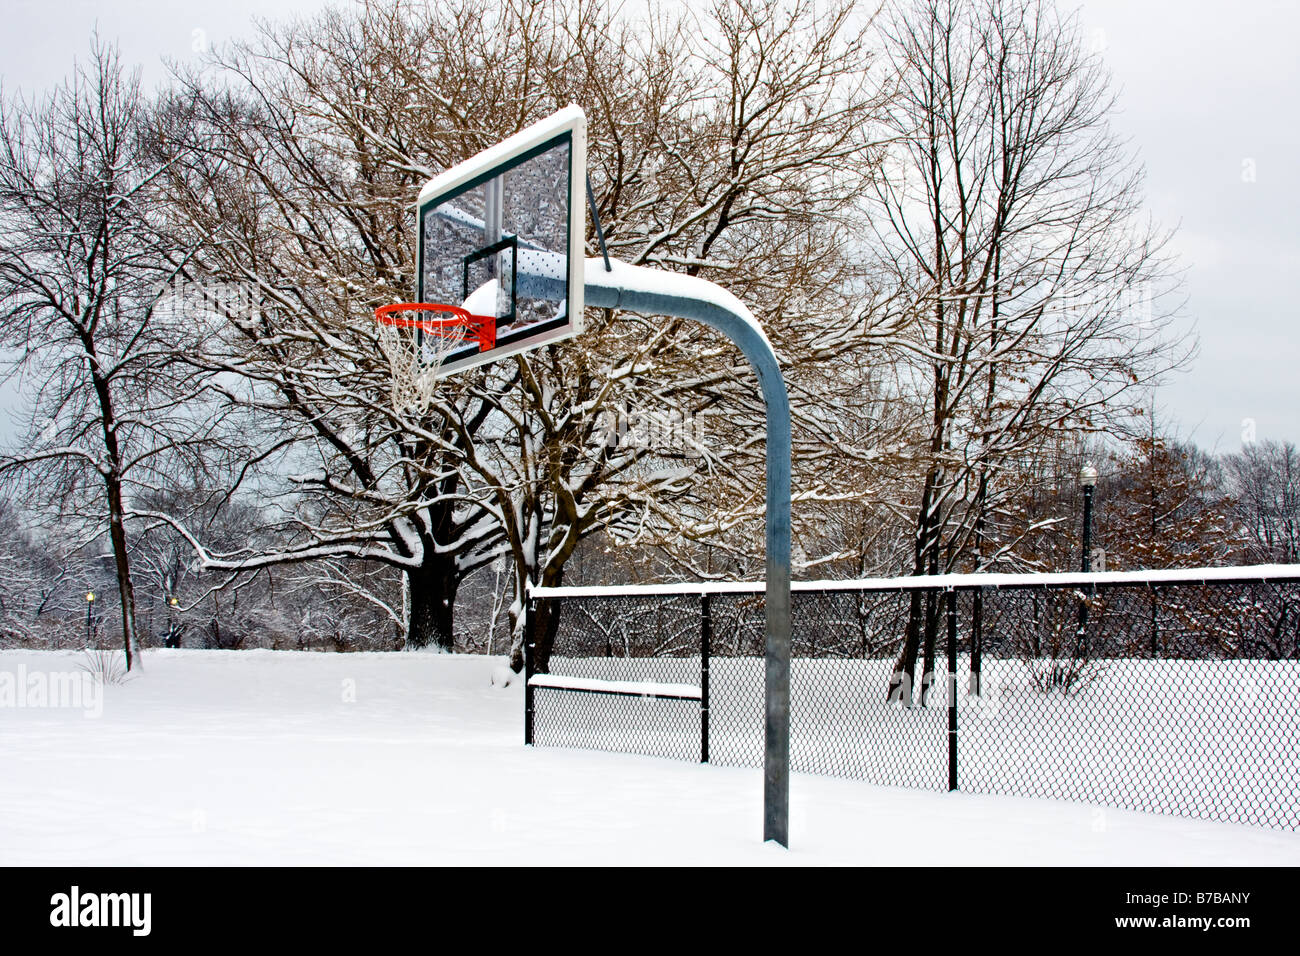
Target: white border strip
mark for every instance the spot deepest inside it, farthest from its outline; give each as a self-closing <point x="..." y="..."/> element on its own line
<point x="1254" y="572"/>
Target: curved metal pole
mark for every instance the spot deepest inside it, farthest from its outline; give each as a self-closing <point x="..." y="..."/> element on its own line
<point x="652" y="292"/>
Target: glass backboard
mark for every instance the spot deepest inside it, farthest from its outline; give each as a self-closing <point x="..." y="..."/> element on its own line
<point x="502" y="235"/>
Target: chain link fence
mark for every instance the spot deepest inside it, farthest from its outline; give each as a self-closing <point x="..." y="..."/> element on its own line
<point x="1164" y="694"/>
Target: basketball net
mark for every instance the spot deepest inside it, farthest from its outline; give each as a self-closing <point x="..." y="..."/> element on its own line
<point x="414" y="354"/>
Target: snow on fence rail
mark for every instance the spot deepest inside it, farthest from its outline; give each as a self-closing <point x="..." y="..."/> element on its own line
<point x="627" y="688"/>
<point x="1253" y="573"/>
<point x="1173" y="692"/>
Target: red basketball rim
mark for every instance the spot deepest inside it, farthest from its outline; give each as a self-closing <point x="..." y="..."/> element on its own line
<point x="481" y="328"/>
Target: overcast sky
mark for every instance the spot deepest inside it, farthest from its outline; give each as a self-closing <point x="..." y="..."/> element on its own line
<point x="1208" y="99"/>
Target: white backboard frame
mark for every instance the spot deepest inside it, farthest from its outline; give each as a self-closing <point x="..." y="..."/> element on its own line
<point x="569" y="123"/>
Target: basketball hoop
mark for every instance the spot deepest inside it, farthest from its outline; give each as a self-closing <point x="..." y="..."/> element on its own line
<point x="416" y="346"/>
<point x="459" y="324"/>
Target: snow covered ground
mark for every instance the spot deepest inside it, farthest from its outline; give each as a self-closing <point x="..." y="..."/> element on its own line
<point x="1214" y="739"/>
<point x="263" y="757"/>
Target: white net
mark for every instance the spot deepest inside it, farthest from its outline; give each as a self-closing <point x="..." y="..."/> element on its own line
<point x="414" y="356"/>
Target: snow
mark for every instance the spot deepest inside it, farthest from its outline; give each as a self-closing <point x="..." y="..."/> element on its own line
<point x="483" y="300"/>
<point x="1209" y="739"/>
<point x="263" y="757"/>
<point x="635" y="688"/>
<point x="623" y="277"/>
<point x="1269" y="572"/>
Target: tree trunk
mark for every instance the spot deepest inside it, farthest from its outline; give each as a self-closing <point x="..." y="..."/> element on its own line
<point x="903" y="679"/>
<point x="432" y="596"/>
<point x="543" y="624"/>
<point x="933" y="603"/>
<point x="1155" y="623"/>
<point x="116" y="511"/>
<point x="900" y="682"/>
<point x="976" y="643"/>
<point x="125" y="590"/>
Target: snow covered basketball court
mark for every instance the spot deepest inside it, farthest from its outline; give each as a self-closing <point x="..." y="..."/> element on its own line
<point x="263" y="757"/>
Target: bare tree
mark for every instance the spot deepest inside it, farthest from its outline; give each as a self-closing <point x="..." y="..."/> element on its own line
<point x="1264" y="480"/>
<point x="1165" y="506"/>
<point x="33" y="580"/>
<point x="1011" y="223"/>
<point x="81" y="264"/>
<point x="738" y="158"/>
<point x="289" y="206"/>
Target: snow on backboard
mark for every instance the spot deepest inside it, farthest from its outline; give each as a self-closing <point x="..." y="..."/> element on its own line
<point x="502" y="234"/>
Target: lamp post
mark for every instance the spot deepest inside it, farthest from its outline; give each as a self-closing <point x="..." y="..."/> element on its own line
<point x="1088" y="481"/>
<point x="173" y="639"/>
<point x="90" y="617"/>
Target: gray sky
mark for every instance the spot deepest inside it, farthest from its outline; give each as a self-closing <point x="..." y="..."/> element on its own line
<point x="1208" y="99"/>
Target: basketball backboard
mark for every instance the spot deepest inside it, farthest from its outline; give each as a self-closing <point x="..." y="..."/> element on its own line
<point x="502" y="235"/>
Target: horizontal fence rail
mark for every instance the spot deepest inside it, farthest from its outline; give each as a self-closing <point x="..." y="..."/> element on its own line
<point x="1171" y="692"/>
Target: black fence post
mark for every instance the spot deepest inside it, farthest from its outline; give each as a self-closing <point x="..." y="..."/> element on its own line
<point x="1155" y="622"/>
<point x="952" y="690"/>
<point x="530" y="618"/>
<point x="706" y="639"/>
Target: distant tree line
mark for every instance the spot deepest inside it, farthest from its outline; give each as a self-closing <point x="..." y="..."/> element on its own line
<point x="1160" y="503"/>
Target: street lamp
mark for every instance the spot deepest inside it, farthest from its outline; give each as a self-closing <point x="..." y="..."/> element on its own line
<point x="1088" y="480"/>
<point x="90" y="617"/>
<point x="173" y="639"/>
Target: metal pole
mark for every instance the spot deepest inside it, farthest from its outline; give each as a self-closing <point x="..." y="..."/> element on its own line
<point x="1087" y="528"/>
<point x="952" y="690"/>
<point x="493" y="201"/>
<point x="600" y="232"/>
<point x="650" y="292"/>
<point x="1087" y="568"/>
<point x="706" y="640"/>
<point x="530" y="609"/>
